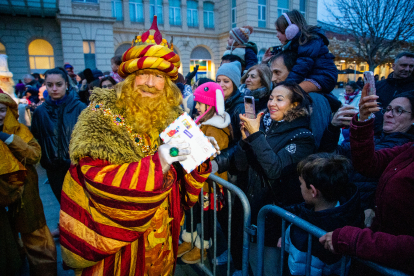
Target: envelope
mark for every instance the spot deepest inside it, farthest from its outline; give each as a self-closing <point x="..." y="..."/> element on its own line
<point x="184" y="128"/>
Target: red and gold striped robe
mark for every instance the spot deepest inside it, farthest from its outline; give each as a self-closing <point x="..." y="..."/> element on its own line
<point x="125" y="219"/>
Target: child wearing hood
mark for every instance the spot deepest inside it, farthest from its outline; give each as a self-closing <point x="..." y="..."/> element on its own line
<point x="215" y="122"/>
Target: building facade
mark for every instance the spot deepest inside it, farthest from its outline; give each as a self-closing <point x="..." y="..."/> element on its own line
<point x="38" y="35"/>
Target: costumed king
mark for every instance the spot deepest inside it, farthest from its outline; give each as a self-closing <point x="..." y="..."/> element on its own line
<point x="123" y="198"/>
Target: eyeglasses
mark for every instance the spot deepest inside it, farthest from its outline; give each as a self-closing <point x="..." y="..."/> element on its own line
<point x="107" y="86"/>
<point x="396" y="111"/>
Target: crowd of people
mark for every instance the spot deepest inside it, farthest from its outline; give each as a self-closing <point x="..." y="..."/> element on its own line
<point x="345" y="165"/>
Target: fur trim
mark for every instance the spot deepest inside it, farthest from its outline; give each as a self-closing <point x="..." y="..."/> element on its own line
<point x="96" y="136"/>
<point x="294" y="113"/>
<point x="219" y="102"/>
<point x="186" y="236"/>
<point x="198" y="244"/>
<point x="218" y="121"/>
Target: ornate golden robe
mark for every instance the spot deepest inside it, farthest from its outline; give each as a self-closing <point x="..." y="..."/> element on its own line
<point x="119" y="214"/>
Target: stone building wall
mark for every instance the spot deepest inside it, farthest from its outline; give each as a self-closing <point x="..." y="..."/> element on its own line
<point x="16" y="33"/>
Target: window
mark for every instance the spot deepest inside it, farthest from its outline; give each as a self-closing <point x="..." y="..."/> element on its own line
<point x="283" y="6"/>
<point x="86" y="1"/>
<point x="262" y="13"/>
<point x="136" y="11"/>
<point x="192" y="14"/>
<point x="233" y="14"/>
<point x="302" y="7"/>
<point x="89" y="54"/>
<point x="260" y="55"/>
<point x="208" y="10"/>
<point x="2" y="49"/>
<point x="41" y="56"/>
<point x="158" y="7"/>
<point x="175" y="12"/>
<point x="117" y="10"/>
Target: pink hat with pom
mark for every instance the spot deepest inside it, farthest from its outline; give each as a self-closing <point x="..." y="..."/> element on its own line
<point x="210" y="93"/>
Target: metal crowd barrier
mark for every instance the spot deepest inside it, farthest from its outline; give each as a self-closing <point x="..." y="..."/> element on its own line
<point x="313" y="231"/>
<point x="246" y="222"/>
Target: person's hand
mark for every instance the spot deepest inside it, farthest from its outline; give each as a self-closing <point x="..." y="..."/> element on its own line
<point x="251" y="125"/>
<point x="369" y="217"/>
<point x="267" y="56"/>
<point x="243" y="131"/>
<point x="343" y="116"/>
<point x="279" y="242"/>
<point x="367" y="104"/>
<point x="326" y="241"/>
<point x="215" y="145"/>
<point x="165" y="157"/>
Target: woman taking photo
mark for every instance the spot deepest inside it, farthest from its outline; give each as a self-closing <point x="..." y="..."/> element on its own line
<point x="257" y="82"/>
<point x="271" y="147"/>
<point x="52" y="126"/>
<point x="390" y="239"/>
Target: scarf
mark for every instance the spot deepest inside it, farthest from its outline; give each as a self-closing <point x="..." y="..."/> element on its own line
<point x="350" y="97"/>
<point x="257" y="94"/>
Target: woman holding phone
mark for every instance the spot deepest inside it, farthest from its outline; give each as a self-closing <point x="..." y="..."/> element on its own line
<point x="271" y="147"/>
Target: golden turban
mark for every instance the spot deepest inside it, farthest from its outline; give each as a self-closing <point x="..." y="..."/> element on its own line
<point x="150" y="51"/>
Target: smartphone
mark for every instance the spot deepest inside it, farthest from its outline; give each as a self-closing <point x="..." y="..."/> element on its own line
<point x="369" y="78"/>
<point x="249" y="107"/>
<point x="275" y="50"/>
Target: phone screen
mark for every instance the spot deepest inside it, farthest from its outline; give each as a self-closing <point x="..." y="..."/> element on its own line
<point x="249" y="107"/>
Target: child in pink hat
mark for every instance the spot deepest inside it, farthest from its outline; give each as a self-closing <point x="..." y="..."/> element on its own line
<point x="215" y="122"/>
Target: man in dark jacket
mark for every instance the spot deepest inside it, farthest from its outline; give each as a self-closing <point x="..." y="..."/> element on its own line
<point x="281" y="65"/>
<point x="399" y="81"/>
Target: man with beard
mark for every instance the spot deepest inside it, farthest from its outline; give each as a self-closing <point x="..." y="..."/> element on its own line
<point x="6" y="78"/>
<point x="123" y="198"/>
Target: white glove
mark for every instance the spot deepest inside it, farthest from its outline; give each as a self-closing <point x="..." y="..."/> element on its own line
<point x="166" y="159"/>
<point x="214" y="166"/>
<point x="215" y="145"/>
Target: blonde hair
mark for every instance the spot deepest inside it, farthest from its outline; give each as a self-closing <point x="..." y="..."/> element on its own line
<point x="144" y="113"/>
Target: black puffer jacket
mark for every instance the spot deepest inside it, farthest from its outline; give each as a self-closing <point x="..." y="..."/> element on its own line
<point x="314" y="62"/>
<point x="271" y="158"/>
<point x="234" y="106"/>
<point x="387" y="90"/>
<point x="52" y="126"/>
<point x="366" y="185"/>
<point x="347" y="213"/>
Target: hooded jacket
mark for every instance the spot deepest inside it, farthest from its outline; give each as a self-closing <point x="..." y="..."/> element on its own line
<point x="347" y="213"/>
<point x="52" y="126"/>
<point x="314" y="62"/>
<point x="271" y="158"/>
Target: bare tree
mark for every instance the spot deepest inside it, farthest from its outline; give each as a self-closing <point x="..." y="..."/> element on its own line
<point x="378" y="27"/>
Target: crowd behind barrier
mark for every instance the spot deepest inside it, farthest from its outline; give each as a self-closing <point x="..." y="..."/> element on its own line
<point x="296" y="115"/>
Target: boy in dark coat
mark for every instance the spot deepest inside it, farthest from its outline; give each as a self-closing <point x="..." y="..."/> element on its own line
<point x="330" y="202"/>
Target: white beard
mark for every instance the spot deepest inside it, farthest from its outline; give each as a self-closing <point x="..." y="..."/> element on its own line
<point x="8" y="87"/>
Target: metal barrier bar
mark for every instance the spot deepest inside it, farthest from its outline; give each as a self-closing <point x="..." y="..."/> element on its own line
<point x="312" y="230"/>
<point x="247" y="225"/>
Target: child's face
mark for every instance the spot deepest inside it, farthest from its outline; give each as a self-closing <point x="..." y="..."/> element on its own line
<point x="230" y="41"/>
<point x="282" y="37"/>
<point x="201" y="108"/>
<point x="306" y="193"/>
<point x="114" y="67"/>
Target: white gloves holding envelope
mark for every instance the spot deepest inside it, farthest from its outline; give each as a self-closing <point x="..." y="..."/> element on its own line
<point x="184" y="149"/>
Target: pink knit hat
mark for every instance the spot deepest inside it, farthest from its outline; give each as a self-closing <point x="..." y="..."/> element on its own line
<point x="210" y="93"/>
